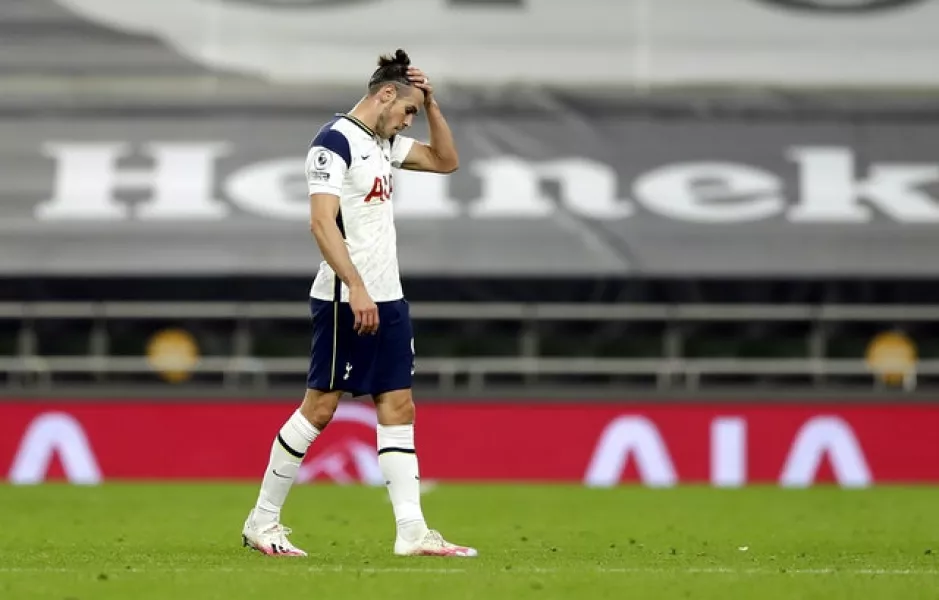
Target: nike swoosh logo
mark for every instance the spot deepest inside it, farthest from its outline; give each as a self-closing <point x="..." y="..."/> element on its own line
<point x="366" y="157"/>
<point x="274" y="471"/>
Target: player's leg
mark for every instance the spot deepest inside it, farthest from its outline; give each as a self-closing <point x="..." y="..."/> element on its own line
<point x="263" y="530"/>
<point x="397" y="454"/>
<point x="397" y="457"/>
<point x="288" y="449"/>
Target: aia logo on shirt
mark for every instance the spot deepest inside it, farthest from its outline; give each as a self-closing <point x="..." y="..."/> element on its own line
<point x="381" y="189"/>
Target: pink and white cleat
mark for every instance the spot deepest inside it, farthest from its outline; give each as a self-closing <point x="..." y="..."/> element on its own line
<point x="269" y="539"/>
<point x="432" y="544"/>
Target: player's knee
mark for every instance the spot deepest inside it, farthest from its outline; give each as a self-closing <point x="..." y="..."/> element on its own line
<point x="395" y="408"/>
<point x="318" y="408"/>
<point x="404" y="412"/>
<point x="322" y="415"/>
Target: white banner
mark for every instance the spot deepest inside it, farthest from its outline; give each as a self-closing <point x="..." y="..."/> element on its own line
<point x="559" y="42"/>
<point x="596" y="42"/>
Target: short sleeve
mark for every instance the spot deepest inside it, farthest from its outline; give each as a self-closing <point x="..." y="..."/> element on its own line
<point x="400" y="147"/>
<point x="327" y="163"/>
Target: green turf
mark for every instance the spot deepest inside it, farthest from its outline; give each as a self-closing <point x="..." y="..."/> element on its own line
<point x="182" y="541"/>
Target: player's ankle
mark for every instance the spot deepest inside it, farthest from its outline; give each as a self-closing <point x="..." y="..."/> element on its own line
<point x="261" y="518"/>
<point x="411" y="530"/>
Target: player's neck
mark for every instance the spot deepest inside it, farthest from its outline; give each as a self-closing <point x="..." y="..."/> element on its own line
<point x="366" y="114"/>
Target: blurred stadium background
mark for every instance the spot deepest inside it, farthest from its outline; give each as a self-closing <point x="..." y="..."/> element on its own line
<point x="680" y="212"/>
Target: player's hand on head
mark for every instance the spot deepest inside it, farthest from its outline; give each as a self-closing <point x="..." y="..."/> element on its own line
<point x="365" y="311"/>
<point x="420" y="80"/>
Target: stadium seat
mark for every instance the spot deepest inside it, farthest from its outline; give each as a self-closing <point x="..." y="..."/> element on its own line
<point x="9" y="337"/>
<point x="280" y="339"/>
<point x="63" y="337"/>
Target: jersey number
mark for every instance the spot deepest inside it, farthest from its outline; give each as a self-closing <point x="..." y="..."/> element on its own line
<point x="381" y="189"/>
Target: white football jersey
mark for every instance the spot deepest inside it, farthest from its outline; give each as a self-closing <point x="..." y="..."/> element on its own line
<point x="348" y="160"/>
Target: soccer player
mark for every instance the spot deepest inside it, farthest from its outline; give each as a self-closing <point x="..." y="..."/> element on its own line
<point x="362" y="336"/>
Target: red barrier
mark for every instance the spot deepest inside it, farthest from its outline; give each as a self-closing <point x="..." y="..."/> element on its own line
<point x="597" y="444"/>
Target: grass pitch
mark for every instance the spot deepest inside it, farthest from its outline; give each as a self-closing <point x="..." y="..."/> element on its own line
<point x="183" y="541"/>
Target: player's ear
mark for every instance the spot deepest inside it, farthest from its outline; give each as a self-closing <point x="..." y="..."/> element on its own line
<point x="388" y="93"/>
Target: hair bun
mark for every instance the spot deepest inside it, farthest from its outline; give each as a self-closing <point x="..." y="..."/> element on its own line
<point x="400" y="58"/>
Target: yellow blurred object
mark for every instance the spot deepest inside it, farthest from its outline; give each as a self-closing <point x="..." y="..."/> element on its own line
<point x="173" y="353"/>
<point x="893" y="355"/>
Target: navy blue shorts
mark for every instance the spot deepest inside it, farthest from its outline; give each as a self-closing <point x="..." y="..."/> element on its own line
<point x="341" y="359"/>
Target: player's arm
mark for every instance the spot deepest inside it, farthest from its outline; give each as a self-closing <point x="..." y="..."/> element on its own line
<point x="324" y="210"/>
<point x="440" y="155"/>
<point x="326" y="167"/>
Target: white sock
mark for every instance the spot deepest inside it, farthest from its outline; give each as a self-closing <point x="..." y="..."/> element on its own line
<point x="287" y="453"/>
<point x="398" y="462"/>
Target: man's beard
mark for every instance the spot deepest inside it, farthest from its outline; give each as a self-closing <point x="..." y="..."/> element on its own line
<point x="380" y="124"/>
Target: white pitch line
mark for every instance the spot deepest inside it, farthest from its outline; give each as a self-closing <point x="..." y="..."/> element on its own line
<point x="454" y="571"/>
<point x="337" y="569"/>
